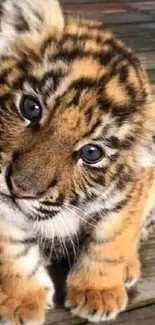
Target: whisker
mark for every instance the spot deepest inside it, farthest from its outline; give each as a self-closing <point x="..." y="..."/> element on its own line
<point x="64" y="244"/>
<point x="79" y="216"/>
<point x="77" y="239"/>
<point x="83" y="212"/>
<point x="69" y="236"/>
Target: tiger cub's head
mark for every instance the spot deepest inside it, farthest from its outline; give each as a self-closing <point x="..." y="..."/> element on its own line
<point x="76" y="118"/>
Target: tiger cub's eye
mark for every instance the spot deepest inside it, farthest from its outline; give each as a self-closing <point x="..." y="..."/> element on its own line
<point x="31" y="109"/>
<point x="91" y="153"/>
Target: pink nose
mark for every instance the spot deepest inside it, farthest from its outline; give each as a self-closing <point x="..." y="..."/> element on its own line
<point x="20" y="192"/>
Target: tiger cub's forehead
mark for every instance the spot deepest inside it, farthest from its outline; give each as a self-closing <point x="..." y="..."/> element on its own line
<point x="87" y="77"/>
<point x="92" y="74"/>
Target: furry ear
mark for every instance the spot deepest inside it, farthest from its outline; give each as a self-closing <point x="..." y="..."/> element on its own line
<point x="20" y="16"/>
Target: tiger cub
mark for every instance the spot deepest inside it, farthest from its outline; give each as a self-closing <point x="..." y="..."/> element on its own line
<point x="77" y="133"/>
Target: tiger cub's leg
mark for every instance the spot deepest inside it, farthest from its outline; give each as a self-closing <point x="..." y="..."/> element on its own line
<point x="26" y="290"/>
<point x="95" y="286"/>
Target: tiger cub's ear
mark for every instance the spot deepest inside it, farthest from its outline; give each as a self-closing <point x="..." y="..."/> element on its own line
<point x="20" y="16"/>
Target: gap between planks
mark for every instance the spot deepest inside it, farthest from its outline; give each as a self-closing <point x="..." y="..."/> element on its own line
<point x="98" y="1"/>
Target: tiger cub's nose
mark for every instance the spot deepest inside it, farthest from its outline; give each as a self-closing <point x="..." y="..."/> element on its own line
<point x="19" y="191"/>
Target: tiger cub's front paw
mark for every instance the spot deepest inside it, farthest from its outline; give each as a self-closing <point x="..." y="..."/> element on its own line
<point x="25" y="300"/>
<point x="96" y="306"/>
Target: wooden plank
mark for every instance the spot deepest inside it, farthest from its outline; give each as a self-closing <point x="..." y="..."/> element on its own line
<point x="96" y="1"/>
<point x="81" y="1"/>
<point x="117" y="18"/>
<point x="100" y="6"/>
<point x="151" y="75"/>
<point x="60" y="316"/>
<point x="126" y="18"/>
<point x="141" y="37"/>
<point x="142" y="294"/>
<point x="153" y="92"/>
<point x="147" y="59"/>
<point x="143" y="6"/>
<point x="108" y="7"/>
<point x="135" y="29"/>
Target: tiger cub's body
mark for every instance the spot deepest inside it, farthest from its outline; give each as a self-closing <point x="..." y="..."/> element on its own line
<point x="77" y="130"/>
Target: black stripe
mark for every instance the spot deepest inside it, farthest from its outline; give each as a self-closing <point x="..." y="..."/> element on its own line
<point x="74" y="38"/>
<point x="109" y="260"/>
<point x="74" y="101"/>
<point x="123" y="173"/>
<point x="39" y="16"/>
<point x="75" y="200"/>
<point x="15" y="112"/>
<point x="47" y="212"/>
<point x="53" y="183"/>
<point x="21" y="321"/>
<point x="102" y="56"/>
<point x="104" y="103"/>
<point x="113" y="142"/>
<point x="121" y="204"/>
<point x="124" y="179"/>
<point x="73" y="54"/>
<point x="30" y="55"/>
<point x="114" y="157"/>
<point x="123" y="75"/>
<point x="23" y="64"/>
<point x="83" y="83"/>
<point x="54" y="76"/>
<point x="5" y="98"/>
<point x="77" y="52"/>
<point x="47" y="42"/>
<point x="89" y="197"/>
<point x="105" y="57"/>
<point x="93" y="128"/>
<point x="4" y="75"/>
<point x="91" y="179"/>
<point x="127" y="142"/>
<point x="122" y="113"/>
<point x="42" y="215"/>
<point x="23" y="253"/>
<point x="98" y="26"/>
<point x="33" y="81"/>
<point x="131" y="90"/>
<point x="26" y="241"/>
<point x="89" y="114"/>
<point x="18" y="82"/>
<point x="150" y="223"/>
<point x="21" y="24"/>
<point x="100" y="178"/>
<point x="118" y="206"/>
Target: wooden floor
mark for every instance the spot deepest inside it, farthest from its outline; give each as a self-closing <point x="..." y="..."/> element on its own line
<point x="134" y="22"/>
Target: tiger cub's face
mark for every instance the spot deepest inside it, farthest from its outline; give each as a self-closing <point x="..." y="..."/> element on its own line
<point x="73" y="117"/>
